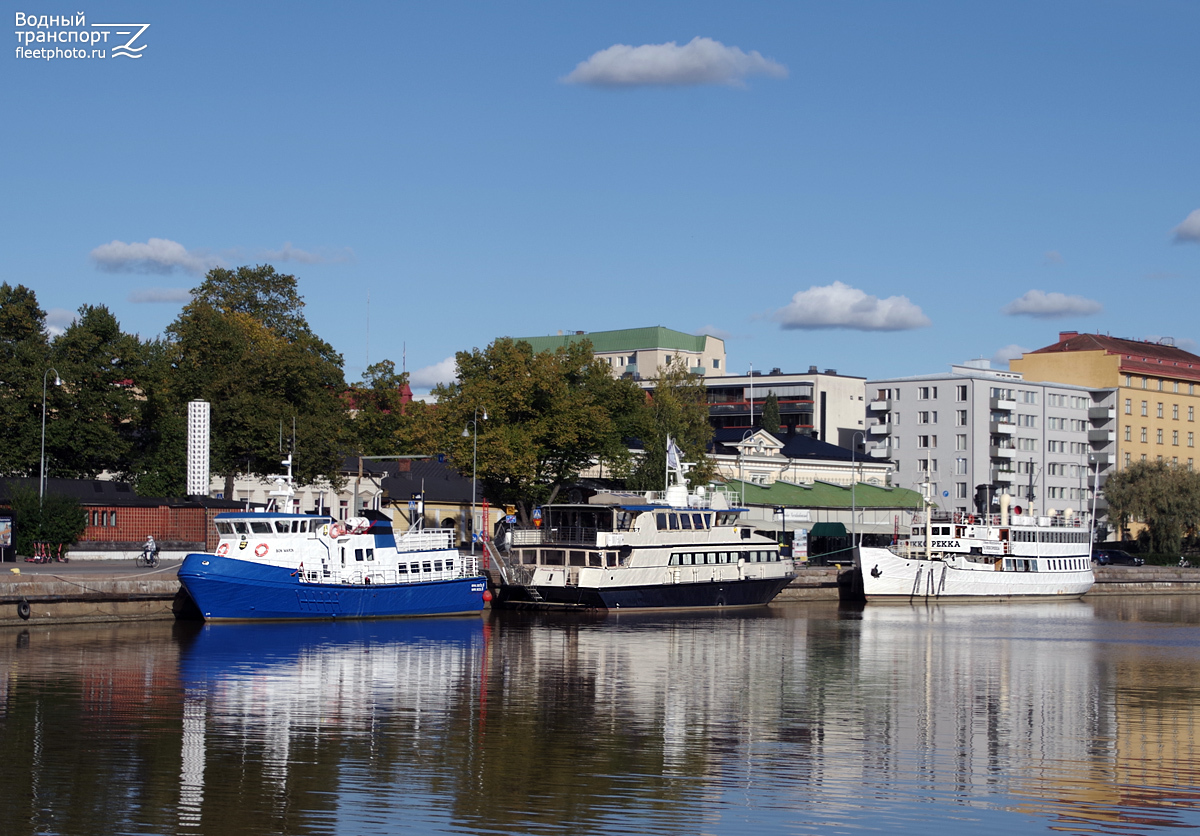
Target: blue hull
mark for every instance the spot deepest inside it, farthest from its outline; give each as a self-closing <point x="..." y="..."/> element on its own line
<point x="237" y="590"/>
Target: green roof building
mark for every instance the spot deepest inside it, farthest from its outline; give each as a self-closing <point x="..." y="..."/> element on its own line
<point x="640" y="352"/>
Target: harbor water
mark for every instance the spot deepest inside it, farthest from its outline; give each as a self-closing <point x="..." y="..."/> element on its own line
<point x="1070" y="717"/>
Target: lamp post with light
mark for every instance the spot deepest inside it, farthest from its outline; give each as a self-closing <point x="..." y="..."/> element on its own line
<point x="42" y="477"/>
<point x="473" y="432"/>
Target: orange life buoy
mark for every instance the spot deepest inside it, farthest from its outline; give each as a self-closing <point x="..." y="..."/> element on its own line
<point x="336" y="530"/>
<point x="223" y="549"/>
<point x="261" y="549"/>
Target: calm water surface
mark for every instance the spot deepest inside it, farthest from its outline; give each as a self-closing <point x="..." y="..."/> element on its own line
<point x="1080" y="717"/>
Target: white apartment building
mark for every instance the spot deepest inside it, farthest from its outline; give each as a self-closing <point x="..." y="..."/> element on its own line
<point x="977" y="433"/>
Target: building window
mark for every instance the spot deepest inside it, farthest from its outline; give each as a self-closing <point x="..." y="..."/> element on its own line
<point x="1160" y="410"/>
<point x="960" y="418"/>
<point x="1189" y="464"/>
<point x="1191" y="413"/>
<point x="1191" y="439"/>
<point x="1144" y="437"/>
<point x="1145" y="408"/>
<point x="924" y="392"/>
<point x="1144" y="380"/>
<point x="960" y="393"/>
<point x="960" y="467"/>
<point x="1128" y="406"/>
<point x="1128" y="433"/>
<point x="1174" y="438"/>
<point x="716" y="364"/>
<point x="1175" y="412"/>
<point x="960" y="490"/>
<point x="1158" y="435"/>
<point x="960" y="442"/>
<point x="1127" y="458"/>
<point x="1175" y="386"/>
<point x="1160" y="385"/>
<point x="1128" y="380"/>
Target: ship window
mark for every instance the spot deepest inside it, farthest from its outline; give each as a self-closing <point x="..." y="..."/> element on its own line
<point x="222" y="527"/>
<point x="674" y="521"/>
<point x="281" y="526"/>
<point x="426" y="566"/>
<point x="450" y="565"/>
<point x="304" y="526"/>
<point x="295" y="526"/>
<point x="402" y="569"/>
<point x="437" y="565"/>
<point x="595" y="559"/>
<point x="240" y="528"/>
<point x="370" y="554"/>
<point x="745" y="534"/>
<point x="414" y="568"/>
<point x="662" y="521"/>
<point x="577" y="559"/>
<point x="358" y="554"/>
<point x="529" y="556"/>
<point x="685" y="522"/>
<point x="699" y="521"/>
<point x="674" y="561"/>
<point x="553" y="557"/>
<point x="612" y="558"/>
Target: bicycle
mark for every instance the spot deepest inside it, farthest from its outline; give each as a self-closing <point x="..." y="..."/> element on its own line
<point x="148" y="559"/>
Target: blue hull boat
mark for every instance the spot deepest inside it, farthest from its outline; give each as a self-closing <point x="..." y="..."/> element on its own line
<point x="225" y="588"/>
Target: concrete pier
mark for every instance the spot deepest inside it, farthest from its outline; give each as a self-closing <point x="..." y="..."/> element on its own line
<point x="98" y="591"/>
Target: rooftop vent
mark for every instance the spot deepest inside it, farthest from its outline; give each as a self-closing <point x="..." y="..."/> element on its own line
<point x="1167" y="341"/>
<point x="831" y="371"/>
<point x="812" y="369"/>
<point x="776" y="370"/>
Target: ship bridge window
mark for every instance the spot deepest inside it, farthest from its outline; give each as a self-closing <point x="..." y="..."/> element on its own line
<point x="698" y="521"/>
<point x="282" y="526"/>
<point x="241" y="528"/>
<point x="661" y="519"/>
<point x="260" y="527"/>
<point x="577" y="559"/>
<point x="624" y="520"/>
<point x="685" y="521"/>
<point x="224" y="528"/>
<point x="673" y="519"/>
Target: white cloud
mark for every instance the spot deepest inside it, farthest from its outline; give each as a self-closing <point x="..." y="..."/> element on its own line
<point x="289" y="253"/>
<point x="157" y="255"/>
<point x="430" y="376"/>
<point x="700" y="61"/>
<point x="1009" y="352"/>
<point x="152" y="295"/>
<point x="841" y="306"/>
<point x="714" y="331"/>
<point x="1189" y="230"/>
<point x="1041" y="305"/>
<point x="58" y="320"/>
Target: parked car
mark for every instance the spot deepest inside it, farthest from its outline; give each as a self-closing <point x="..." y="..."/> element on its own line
<point x="1115" y="557"/>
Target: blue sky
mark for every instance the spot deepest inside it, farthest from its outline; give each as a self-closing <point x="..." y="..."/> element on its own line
<point x="881" y="188"/>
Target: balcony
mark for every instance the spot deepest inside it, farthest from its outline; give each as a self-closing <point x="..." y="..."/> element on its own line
<point x="1002" y="404"/>
<point x="880" y="451"/>
<point x="876" y="430"/>
<point x="880" y="405"/>
<point x="1003" y="452"/>
<point x="1003" y="428"/>
<point x="1102" y="436"/>
<point x="1004" y="476"/>
<point x="1101" y="459"/>
<point x="1102" y="413"/>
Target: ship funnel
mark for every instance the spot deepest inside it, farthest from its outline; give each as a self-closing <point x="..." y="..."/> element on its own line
<point x="1005" y="500"/>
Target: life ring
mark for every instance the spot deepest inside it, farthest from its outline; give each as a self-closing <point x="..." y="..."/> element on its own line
<point x="971" y="520"/>
<point x="261" y="549"/>
<point x="336" y="530"/>
<point x="23" y="610"/>
<point x="222" y="549"/>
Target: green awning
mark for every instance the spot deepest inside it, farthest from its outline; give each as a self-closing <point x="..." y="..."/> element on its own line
<point x="828" y="529"/>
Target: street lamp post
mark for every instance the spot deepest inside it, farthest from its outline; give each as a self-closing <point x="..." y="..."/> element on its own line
<point x="42" y="477"/>
<point x="853" y="484"/>
<point x="474" y="433"/>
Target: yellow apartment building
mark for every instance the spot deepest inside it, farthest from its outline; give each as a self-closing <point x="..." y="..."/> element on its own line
<point x="1158" y="390"/>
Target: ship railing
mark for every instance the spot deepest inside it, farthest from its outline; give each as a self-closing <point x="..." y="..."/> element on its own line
<point x="962" y="518"/>
<point x="527" y="537"/>
<point x="425" y="540"/>
<point x="464" y="566"/>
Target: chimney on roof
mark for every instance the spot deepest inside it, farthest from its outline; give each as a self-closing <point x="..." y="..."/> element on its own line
<point x="1063" y="336"/>
<point x="831" y="371"/>
<point x="812" y="369"/>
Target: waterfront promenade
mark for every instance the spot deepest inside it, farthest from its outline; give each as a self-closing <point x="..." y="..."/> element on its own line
<point x="105" y="590"/>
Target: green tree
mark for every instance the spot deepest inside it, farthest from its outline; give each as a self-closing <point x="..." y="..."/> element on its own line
<point x="24" y="360"/>
<point x="243" y="345"/>
<point x="548" y="416"/>
<point x="380" y="418"/>
<point x="95" y="409"/>
<point x="54" y="519"/>
<point x="677" y="407"/>
<point x="158" y="466"/>
<point x="1166" y="497"/>
<point x="770" y="414"/>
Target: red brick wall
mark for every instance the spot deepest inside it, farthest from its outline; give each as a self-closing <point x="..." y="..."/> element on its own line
<point x="189" y="525"/>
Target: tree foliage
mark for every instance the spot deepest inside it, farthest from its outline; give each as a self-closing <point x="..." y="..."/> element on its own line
<point x="1166" y="497"/>
<point x="770" y="414"/>
<point x="54" y="519"/>
<point x="95" y="409"/>
<point x="548" y="416"/>
<point x="24" y="360"/>
<point x="383" y="423"/>
<point x="677" y="407"/>
<point x="244" y="345"/>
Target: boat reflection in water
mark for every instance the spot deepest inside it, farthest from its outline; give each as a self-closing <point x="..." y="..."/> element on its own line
<point x="296" y="693"/>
